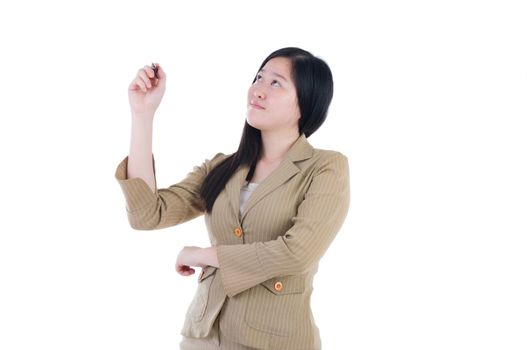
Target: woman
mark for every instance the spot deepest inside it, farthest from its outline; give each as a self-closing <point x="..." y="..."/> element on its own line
<point x="272" y="208"/>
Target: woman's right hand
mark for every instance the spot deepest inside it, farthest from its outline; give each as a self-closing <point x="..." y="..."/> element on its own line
<point x="146" y="91"/>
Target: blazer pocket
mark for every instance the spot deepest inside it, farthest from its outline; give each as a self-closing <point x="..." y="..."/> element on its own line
<point x="197" y="307"/>
<point x="276" y="305"/>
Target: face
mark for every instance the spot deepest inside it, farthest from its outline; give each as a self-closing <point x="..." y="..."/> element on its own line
<point x="275" y="93"/>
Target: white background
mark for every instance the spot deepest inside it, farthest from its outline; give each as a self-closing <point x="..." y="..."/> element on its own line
<point x="429" y="106"/>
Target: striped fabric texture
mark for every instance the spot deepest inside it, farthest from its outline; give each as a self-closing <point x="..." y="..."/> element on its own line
<point x="268" y="255"/>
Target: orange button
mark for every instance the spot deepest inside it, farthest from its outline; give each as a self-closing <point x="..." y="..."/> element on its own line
<point x="238" y="231"/>
<point x="278" y="286"/>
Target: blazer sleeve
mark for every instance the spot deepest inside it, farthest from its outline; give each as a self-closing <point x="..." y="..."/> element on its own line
<point x="319" y="217"/>
<point x="178" y="203"/>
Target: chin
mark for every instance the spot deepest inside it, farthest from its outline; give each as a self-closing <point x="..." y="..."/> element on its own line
<point x="255" y="124"/>
<point x="252" y="120"/>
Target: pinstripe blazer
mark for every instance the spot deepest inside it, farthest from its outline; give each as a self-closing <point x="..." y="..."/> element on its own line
<point x="268" y="255"/>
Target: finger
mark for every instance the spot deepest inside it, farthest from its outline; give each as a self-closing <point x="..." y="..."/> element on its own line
<point x="133" y="86"/>
<point x="136" y="85"/>
<point x="142" y="74"/>
<point x="153" y="73"/>
<point x="150" y="72"/>
<point x="186" y="268"/>
<point x="140" y="83"/>
<point x="185" y="271"/>
<point x="160" y="72"/>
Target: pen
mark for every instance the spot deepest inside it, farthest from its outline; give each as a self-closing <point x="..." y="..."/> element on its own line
<point x="154" y="67"/>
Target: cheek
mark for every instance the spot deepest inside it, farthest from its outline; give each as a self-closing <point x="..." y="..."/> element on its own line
<point x="291" y="105"/>
<point x="250" y="90"/>
<point x="294" y="110"/>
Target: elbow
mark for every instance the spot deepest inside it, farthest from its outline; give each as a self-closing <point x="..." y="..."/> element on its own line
<point x="142" y="224"/>
<point x="141" y="227"/>
<point x="307" y="265"/>
<point x="300" y="265"/>
<point x="151" y="217"/>
<point x="297" y="266"/>
<point x="309" y="261"/>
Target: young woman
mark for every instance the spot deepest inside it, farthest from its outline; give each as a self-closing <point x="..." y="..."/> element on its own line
<point x="272" y="208"/>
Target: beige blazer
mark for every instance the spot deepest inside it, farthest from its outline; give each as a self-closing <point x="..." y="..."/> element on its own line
<point x="268" y="256"/>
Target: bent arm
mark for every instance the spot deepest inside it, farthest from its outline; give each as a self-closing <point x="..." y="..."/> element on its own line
<point x="164" y="207"/>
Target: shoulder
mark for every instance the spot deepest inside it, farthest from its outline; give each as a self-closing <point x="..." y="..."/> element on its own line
<point x="323" y="157"/>
<point x="326" y="154"/>
<point x="217" y="159"/>
<point x="211" y="162"/>
<point x="323" y="160"/>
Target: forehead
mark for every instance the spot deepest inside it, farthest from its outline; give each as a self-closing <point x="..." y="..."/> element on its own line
<point x="280" y="65"/>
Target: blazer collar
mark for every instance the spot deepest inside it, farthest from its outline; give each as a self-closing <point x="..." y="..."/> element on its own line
<point x="300" y="150"/>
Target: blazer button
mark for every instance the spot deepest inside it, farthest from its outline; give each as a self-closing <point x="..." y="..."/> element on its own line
<point x="238" y="231"/>
<point x="278" y="286"/>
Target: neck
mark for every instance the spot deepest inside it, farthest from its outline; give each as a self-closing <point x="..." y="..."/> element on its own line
<point x="276" y="144"/>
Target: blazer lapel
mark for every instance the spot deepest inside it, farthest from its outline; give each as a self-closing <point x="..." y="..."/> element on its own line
<point x="300" y="150"/>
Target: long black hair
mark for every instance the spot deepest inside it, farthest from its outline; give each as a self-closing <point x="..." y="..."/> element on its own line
<point x="314" y="88"/>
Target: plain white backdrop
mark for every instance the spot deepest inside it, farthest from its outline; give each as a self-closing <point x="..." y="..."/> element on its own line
<point x="429" y="107"/>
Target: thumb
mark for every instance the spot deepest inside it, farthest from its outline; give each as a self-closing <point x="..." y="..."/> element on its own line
<point x="160" y="72"/>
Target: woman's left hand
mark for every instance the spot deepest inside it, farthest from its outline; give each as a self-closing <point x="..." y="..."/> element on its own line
<point x="187" y="257"/>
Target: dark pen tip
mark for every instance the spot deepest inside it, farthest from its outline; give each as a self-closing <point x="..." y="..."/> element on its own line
<point x="154" y="67"/>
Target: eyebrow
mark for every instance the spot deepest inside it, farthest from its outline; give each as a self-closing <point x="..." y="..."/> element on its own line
<point x="278" y="75"/>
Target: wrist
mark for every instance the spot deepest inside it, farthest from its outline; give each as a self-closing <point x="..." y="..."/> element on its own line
<point x="143" y="117"/>
<point x="209" y="256"/>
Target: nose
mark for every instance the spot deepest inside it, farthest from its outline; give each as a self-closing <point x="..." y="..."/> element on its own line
<point x="258" y="93"/>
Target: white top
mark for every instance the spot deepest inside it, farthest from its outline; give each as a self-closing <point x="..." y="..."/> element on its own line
<point x="245" y="192"/>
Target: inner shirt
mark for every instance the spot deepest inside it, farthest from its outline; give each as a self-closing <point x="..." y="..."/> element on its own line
<point x="245" y="192"/>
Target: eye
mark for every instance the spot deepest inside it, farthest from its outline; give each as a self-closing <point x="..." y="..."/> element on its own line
<point x="258" y="76"/>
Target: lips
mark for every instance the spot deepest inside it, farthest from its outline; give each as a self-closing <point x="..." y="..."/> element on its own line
<point x="256" y="105"/>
